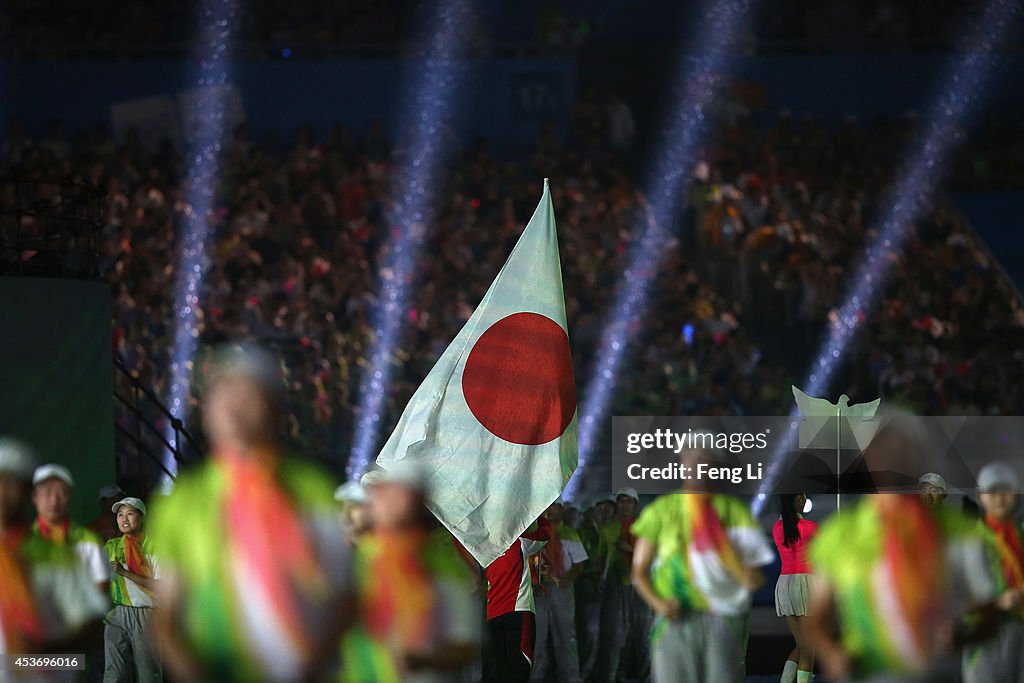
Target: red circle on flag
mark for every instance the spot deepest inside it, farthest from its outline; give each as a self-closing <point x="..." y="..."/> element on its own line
<point x="518" y="379"/>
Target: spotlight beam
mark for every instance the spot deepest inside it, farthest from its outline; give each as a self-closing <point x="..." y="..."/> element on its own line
<point x="952" y="111"/>
<point x="700" y="75"/>
<point x="414" y="188"/>
<point x="217" y="21"/>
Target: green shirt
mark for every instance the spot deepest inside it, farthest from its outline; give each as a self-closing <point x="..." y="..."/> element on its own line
<point x="124" y="591"/>
<point x="456" y="619"/>
<point x="65" y="596"/>
<point x="847" y="551"/>
<point x="695" y="577"/>
<point x="190" y="533"/>
<point x="617" y="562"/>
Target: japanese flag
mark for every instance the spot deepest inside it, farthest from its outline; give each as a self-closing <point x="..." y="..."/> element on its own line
<point x="494" y="423"/>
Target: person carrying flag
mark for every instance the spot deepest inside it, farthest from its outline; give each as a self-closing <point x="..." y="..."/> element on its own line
<point x="511" y="620"/>
<point x="1002" y="658"/>
<point x="127" y="640"/>
<point x="561" y="562"/>
<point x="48" y="603"/>
<point x="696" y="563"/>
<point x="255" y="578"/>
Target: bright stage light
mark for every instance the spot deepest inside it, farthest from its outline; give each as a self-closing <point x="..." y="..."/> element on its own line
<point x="701" y="74"/>
<point x="217" y="22"/>
<point x="951" y="113"/>
<point x="426" y="109"/>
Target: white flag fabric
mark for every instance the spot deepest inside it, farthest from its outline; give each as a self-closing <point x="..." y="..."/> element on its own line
<point x="494" y="423"/>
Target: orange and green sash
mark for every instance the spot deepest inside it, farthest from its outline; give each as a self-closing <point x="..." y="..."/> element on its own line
<point x="57" y="534"/>
<point x="398" y="600"/>
<point x="266" y="534"/>
<point x="17" y="608"/>
<point x="911" y="573"/>
<point x="136" y="560"/>
<point x="1011" y="554"/>
<point x="707" y="535"/>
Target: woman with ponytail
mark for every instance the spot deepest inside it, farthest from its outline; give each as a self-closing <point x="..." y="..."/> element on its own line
<point x="792" y="534"/>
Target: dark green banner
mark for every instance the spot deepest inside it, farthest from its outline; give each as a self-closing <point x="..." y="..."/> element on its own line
<point x="56" y="378"/>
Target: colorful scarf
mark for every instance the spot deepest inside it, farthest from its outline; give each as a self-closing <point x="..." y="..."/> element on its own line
<point x="552" y="552"/>
<point x="910" y="578"/>
<point x="1011" y="553"/>
<point x="55" y="534"/>
<point x="399" y="596"/>
<point x="136" y="560"/>
<point x="707" y="535"/>
<point x="267" y="537"/>
<point x="17" y="607"/>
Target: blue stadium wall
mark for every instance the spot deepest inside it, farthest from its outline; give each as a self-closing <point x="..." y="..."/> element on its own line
<point x="505" y="100"/>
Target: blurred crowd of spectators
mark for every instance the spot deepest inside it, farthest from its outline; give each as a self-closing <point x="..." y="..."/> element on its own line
<point x="784" y="217"/>
<point x="777" y="220"/>
<point x="63" y="29"/>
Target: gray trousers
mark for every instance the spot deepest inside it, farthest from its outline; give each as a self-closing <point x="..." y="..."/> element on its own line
<point x="127" y="647"/>
<point x="625" y="630"/>
<point x="999" y="659"/>
<point x="588" y="625"/>
<point x="699" y="647"/>
<point x="556" y="635"/>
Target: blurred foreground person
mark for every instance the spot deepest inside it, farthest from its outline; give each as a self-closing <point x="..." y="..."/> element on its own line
<point x="905" y="584"/>
<point x="511" y="621"/>
<point x="562" y="561"/>
<point x="419" y="620"/>
<point x="792" y="535"/>
<point x="255" y="577"/>
<point x="128" y="647"/>
<point x="696" y="564"/>
<point x="356" y="515"/>
<point x="48" y="603"/>
<point x="1002" y="658"/>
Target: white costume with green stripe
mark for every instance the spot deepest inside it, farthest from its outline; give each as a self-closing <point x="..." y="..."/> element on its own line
<point x="708" y="642"/>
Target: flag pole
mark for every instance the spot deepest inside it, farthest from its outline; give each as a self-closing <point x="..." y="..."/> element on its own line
<point x="839" y="452"/>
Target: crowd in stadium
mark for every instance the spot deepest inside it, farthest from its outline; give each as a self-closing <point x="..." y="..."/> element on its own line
<point x="777" y="218"/>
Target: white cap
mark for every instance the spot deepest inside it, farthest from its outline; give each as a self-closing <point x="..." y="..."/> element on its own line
<point x="933" y="479"/>
<point x="608" y="498"/>
<point x="52" y="471"/>
<point x="998" y="475"/>
<point x="627" y="491"/>
<point x="16" y="459"/>
<point x="130" y="502"/>
<point x="351" y="492"/>
<point x="407" y="473"/>
<point x="111" y="491"/>
<point x="249" y="361"/>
